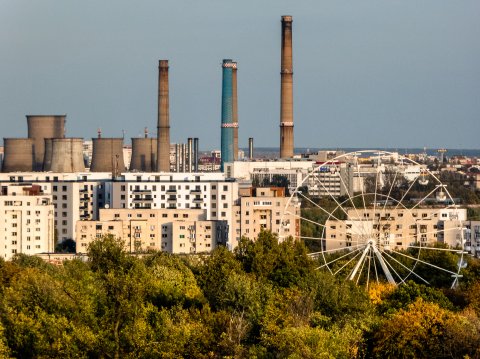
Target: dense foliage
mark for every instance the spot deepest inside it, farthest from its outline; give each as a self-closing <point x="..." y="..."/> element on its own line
<point x="265" y="300"/>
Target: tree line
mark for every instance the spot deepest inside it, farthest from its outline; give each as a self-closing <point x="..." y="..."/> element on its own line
<point x="264" y="300"/>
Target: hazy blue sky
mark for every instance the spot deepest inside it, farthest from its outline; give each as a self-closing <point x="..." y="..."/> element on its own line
<point x="402" y="73"/>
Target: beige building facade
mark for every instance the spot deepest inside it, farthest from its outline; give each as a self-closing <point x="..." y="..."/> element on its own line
<point x="395" y="228"/>
<point x="173" y="231"/>
<point x="267" y="208"/>
<point x="26" y="224"/>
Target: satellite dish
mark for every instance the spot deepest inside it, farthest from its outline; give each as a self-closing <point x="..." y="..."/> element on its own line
<point x="107" y="206"/>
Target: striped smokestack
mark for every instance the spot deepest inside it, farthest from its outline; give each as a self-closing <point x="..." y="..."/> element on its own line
<point x="286" y="97"/>
<point x="227" y="114"/>
<point x="163" y="126"/>
<point x="235" y="111"/>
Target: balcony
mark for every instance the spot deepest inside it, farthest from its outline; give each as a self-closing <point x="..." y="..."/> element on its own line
<point x="196" y="191"/>
<point x="147" y="200"/>
<point x="172" y="191"/>
<point x="141" y="191"/>
<point x="172" y="199"/>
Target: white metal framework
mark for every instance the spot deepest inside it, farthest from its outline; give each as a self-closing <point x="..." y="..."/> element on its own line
<point x="388" y="227"/>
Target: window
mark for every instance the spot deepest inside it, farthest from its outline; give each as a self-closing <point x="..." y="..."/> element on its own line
<point x="164" y="215"/>
<point x="181" y="236"/>
<point x="185" y="215"/>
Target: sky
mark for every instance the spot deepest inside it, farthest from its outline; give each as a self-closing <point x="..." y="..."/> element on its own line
<point x="370" y="73"/>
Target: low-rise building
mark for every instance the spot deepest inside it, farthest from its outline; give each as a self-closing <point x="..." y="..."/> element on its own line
<point x="173" y="231"/>
<point x="395" y="228"/>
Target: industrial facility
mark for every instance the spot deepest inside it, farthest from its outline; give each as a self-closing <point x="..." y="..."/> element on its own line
<point x="47" y="149"/>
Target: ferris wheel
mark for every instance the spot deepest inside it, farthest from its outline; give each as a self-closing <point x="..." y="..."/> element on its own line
<point x="376" y="216"/>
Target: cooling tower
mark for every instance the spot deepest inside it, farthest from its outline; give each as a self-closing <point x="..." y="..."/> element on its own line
<point x="107" y="155"/>
<point x="18" y="155"/>
<point x="227" y="114"/>
<point x="41" y="127"/>
<point x="286" y="96"/>
<point x="144" y="155"/>
<point x="235" y="111"/>
<point x="163" y="125"/>
<point x="67" y="155"/>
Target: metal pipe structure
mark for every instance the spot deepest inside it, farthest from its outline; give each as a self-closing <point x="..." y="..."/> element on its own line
<point x="190" y="154"/>
<point x="286" y="95"/>
<point x="184" y="162"/>
<point x="227" y="114"/>
<point x="163" y="125"/>
<point x="250" y="148"/>
<point x="177" y="157"/>
<point x="235" y="111"/>
<point x="41" y="127"/>
<point x="195" y="154"/>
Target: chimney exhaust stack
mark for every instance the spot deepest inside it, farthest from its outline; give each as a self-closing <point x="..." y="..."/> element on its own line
<point x="250" y="148"/>
<point x="235" y="111"/>
<point x="286" y="96"/>
<point x="195" y="154"/>
<point x="163" y="125"/>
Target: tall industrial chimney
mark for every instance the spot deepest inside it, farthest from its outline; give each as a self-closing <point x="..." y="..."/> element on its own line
<point x="250" y="148"/>
<point x="163" y="126"/>
<point x="227" y="114"/>
<point x="286" y="96"/>
<point x="235" y="111"/>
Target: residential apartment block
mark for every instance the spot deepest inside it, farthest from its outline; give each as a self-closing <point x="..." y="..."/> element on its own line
<point x="173" y="231"/>
<point x="267" y="208"/>
<point x="396" y="228"/>
<point x="26" y="224"/>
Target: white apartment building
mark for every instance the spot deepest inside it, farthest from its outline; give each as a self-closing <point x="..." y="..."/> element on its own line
<point x="472" y="237"/>
<point x="247" y="171"/>
<point x="210" y="192"/>
<point x="396" y="228"/>
<point x="26" y="224"/>
<point x="173" y="231"/>
<point x="74" y="195"/>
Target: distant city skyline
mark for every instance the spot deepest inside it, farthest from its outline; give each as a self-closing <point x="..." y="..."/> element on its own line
<point x="372" y="74"/>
